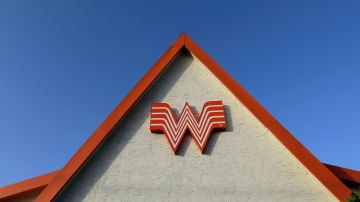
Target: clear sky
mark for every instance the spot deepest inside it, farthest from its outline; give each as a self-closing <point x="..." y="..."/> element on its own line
<point x="64" y="65"/>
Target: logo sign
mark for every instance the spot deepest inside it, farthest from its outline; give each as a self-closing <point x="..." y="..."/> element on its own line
<point x="163" y="121"/>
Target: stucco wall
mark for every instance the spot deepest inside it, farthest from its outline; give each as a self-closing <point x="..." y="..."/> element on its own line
<point x="244" y="163"/>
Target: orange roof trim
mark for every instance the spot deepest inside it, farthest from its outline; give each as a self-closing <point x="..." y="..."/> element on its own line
<point x="327" y="178"/>
<point x="26" y="186"/>
<point x="345" y="173"/>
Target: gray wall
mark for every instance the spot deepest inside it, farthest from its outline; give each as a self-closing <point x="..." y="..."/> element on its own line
<point x="243" y="163"/>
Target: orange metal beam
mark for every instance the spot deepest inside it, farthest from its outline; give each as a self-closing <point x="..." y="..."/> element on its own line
<point x="27" y="185"/>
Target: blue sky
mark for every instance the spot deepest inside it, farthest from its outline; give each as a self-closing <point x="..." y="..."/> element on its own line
<point x="65" y="65"/>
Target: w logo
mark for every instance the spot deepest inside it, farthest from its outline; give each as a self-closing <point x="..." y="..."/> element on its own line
<point x="163" y="121"/>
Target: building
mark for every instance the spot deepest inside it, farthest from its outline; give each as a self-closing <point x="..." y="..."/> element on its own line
<point x="249" y="155"/>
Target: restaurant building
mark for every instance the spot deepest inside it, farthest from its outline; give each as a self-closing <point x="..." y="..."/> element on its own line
<point x="189" y="132"/>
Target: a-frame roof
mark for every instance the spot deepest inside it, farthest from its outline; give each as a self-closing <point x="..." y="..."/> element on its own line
<point x="327" y="178"/>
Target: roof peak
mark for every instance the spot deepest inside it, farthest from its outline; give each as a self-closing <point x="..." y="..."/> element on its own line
<point x="328" y="179"/>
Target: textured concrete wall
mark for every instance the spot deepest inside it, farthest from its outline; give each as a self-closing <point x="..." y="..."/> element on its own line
<point x="244" y="163"/>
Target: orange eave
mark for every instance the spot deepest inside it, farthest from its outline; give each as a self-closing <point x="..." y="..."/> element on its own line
<point x="345" y="173"/>
<point x="320" y="171"/>
<point x="26" y="186"/>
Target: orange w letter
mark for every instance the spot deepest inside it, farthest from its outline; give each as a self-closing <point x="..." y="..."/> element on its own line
<point x="163" y="121"/>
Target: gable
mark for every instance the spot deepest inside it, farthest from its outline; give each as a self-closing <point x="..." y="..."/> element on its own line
<point x="67" y="175"/>
<point x="239" y="163"/>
